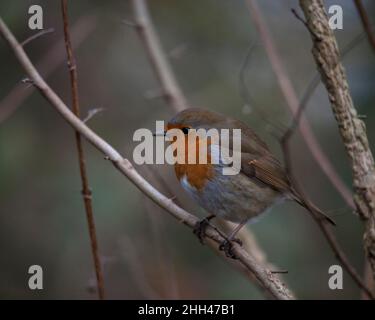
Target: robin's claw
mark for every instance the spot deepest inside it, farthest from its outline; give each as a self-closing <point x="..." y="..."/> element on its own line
<point x="227" y="247"/>
<point x="238" y="241"/>
<point x="200" y="229"/>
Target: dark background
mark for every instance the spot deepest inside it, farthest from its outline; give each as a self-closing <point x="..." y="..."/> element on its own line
<point x="146" y="253"/>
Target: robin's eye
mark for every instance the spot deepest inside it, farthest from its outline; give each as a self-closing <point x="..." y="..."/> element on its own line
<point x="185" y="130"/>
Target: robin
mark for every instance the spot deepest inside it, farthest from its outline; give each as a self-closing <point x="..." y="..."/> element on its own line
<point x="261" y="182"/>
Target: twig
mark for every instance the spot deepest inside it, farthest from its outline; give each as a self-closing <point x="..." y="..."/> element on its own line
<point x="269" y="281"/>
<point x="86" y="192"/>
<point x="292" y="101"/>
<point x="37" y="35"/>
<point x="91" y="113"/>
<point x="366" y="23"/>
<point x="298" y="17"/>
<point x="351" y="128"/>
<point x="310" y="139"/>
<point x="144" y="26"/>
<point x="47" y="64"/>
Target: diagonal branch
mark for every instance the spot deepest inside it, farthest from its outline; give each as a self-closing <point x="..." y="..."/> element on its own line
<point x="86" y="192"/>
<point x="268" y="280"/>
<point x="352" y="129"/>
<point x="37" y="35"/>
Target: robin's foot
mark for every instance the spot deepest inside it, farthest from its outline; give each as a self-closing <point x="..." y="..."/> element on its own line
<point x="227" y="247"/>
<point x="200" y="228"/>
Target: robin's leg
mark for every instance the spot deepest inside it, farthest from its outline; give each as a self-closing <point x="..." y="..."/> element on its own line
<point x="227" y="244"/>
<point x="200" y="228"/>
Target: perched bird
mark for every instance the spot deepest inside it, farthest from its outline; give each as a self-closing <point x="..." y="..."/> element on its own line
<point x="260" y="183"/>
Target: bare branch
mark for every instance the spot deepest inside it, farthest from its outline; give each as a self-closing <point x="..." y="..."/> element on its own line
<point x="269" y="281"/>
<point x="366" y="23"/>
<point x="351" y="128"/>
<point x="37" y="35"/>
<point x="91" y="113"/>
<point x="86" y="192"/>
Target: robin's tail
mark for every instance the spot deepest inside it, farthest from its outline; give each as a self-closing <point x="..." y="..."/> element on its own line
<point x="319" y="213"/>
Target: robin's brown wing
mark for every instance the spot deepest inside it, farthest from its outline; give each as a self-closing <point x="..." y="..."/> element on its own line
<point x="257" y="160"/>
<point x="266" y="169"/>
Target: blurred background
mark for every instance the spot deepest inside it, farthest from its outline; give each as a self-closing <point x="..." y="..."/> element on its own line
<point x="146" y="253"/>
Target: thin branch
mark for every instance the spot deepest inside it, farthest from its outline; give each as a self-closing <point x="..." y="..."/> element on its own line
<point x="163" y="71"/>
<point x="351" y="127"/>
<point x="91" y="113"/>
<point x="37" y="35"/>
<point x="322" y="160"/>
<point x="86" y="192"/>
<point x="366" y="23"/>
<point x="269" y="281"/>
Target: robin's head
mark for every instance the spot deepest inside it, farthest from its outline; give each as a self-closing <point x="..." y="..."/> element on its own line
<point x="207" y="145"/>
<point x="196" y="118"/>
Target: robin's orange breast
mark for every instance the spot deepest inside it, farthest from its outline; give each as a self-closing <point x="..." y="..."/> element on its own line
<point x="196" y="174"/>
